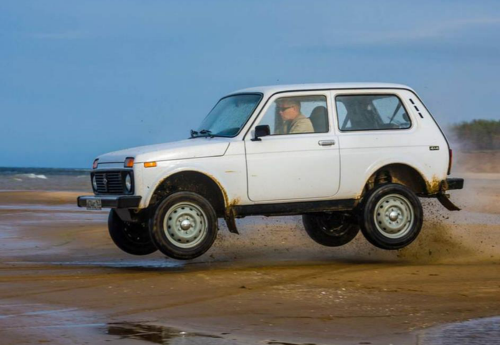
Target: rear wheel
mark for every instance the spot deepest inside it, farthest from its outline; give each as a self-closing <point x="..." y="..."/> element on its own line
<point x="391" y="216"/>
<point x="184" y="226"/>
<point x="331" y="229"/>
<point x="132" y="238"/>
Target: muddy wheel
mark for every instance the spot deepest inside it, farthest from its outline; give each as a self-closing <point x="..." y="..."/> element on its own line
<point x="330" y="229"/>
<point x="391" y="216"/>
<point x="132" y="238"/>
<point x="184" y="226"/>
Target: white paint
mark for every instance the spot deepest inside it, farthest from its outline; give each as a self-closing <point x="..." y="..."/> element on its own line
<point x="294" y="167"/>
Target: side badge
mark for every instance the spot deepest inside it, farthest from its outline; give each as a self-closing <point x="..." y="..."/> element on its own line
<point x="434" y="148"/>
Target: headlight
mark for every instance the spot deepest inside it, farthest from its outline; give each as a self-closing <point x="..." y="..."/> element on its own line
<point x="128" y="183"/>
<point x="94" y="183"/>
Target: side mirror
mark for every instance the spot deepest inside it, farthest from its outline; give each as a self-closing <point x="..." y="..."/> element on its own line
<point x="261" y="131"/>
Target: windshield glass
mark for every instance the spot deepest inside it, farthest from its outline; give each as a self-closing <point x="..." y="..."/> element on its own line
<point x="229" y="115"/>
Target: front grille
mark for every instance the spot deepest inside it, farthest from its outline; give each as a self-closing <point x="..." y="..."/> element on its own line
<point x="110" y="182"/>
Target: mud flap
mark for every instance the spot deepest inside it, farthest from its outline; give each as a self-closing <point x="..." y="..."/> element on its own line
<point x="444" y="199"/>
<point x="231" y="223"/>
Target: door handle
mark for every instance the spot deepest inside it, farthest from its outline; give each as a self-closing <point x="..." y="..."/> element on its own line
<point x="326" y="142"/>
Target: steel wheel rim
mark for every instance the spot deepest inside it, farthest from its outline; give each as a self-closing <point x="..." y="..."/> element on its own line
<point x="136" y="235"/>
<point x="394" y="216"/>
<point x="185" y="225"/>
<point x="338" y="230"/>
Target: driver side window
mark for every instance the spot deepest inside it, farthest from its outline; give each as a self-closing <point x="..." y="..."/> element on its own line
<point x="297" y="115"/>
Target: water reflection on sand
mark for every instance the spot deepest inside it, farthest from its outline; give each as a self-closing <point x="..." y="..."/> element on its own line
<point x="484" y="331"/>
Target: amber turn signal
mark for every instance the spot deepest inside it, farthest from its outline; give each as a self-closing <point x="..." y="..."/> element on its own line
<point x="150" y="164"/>
<point x="129" y="162"/>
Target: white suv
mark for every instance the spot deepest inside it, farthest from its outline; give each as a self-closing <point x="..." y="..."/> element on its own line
<point x="344" y="156"/>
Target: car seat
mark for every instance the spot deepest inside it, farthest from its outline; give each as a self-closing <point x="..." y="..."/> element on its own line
<point x="319" y="119"/>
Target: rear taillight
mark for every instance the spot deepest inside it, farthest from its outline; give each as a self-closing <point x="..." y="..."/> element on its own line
<point x="450" y="161"/>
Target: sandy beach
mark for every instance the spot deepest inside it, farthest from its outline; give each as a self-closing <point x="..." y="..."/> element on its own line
<point x="344" y="114"/>
<point x="64" y="282"/>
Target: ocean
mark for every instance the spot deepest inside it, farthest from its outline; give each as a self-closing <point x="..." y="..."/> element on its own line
<point x="55" y="179"/>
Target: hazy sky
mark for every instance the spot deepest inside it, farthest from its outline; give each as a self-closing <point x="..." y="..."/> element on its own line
<point x="81" y="78"/>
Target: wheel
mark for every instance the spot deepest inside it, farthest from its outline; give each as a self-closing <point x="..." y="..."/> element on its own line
<point x="330" y="229"/>
<point x="391" y="216"/>
<point x="132" y="238"/>
<point x="184" y="226"/>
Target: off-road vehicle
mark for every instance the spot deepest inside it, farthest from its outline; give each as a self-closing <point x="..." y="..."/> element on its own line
<point x="344" y="156"/>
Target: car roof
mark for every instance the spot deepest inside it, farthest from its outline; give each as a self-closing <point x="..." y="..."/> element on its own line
<point x="271" y="89"/>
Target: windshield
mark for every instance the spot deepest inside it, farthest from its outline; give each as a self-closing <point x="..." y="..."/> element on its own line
<point x="229" y="115"/>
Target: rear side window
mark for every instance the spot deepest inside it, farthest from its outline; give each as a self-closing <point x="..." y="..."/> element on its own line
<point x="371" y="112"/>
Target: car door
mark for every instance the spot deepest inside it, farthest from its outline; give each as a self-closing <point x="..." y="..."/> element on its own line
<point x="300" y="159"/>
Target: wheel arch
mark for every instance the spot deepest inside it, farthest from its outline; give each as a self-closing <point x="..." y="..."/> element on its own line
<point x="191" y="181"/>
<point x="401" y="173"/>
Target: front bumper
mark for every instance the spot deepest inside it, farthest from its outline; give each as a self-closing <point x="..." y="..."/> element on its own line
<point x="111" y="201"/>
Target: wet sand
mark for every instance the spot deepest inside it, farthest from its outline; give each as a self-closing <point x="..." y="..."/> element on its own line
<point x="63" y="281"/>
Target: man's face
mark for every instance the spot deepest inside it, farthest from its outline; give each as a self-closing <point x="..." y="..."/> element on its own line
<point x="287" y="110"/>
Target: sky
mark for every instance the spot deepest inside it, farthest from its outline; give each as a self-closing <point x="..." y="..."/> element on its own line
<point x="82" y="78"/>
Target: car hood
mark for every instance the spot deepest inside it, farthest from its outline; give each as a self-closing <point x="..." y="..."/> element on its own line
<point x="185" y="149"/>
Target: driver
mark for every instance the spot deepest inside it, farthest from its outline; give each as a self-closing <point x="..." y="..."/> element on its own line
<point x="293" y="120"/>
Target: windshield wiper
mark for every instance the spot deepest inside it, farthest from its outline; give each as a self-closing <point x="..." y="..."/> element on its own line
<point x="206" y="132"/>
<point x="203" y="133"/>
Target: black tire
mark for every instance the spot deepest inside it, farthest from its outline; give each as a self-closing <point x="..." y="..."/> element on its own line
<point x="166" y="226"/>
<point x="386" y="201"/>
<point x="330" y="229"/>
<point x="132" y="238"/>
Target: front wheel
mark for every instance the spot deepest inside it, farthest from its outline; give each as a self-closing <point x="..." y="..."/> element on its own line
<point x="132" y="238"/>
<point x="330" y="229"/>
<point x="391" y="216"/>
<point x="184" y="226"/>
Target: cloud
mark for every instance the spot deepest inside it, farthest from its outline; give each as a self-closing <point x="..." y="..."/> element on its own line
<point x="67" y="35"/>
<point x="442" y="30"/>
<point x="448" y="37"/>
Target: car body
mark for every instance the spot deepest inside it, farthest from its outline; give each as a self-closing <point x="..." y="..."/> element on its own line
<point x="363" y="135"/>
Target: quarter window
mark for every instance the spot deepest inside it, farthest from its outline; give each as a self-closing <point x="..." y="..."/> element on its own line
<point x="371" y="112"/>
<point x="297" y="115"/>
